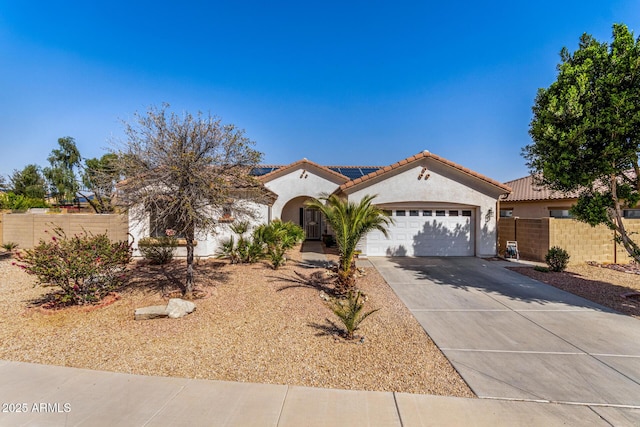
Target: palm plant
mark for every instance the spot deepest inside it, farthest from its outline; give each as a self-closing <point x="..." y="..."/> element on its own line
<point x="278" y="237"/>
<point x="350" y="222"/>
<point x="350" y="311"/>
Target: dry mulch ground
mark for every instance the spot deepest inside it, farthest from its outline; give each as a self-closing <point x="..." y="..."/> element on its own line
<point x="612" y="286"/>
<point x="256" y="325"/>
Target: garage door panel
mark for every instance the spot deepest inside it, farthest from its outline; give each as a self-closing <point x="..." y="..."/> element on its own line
<point x="425" y="236"/>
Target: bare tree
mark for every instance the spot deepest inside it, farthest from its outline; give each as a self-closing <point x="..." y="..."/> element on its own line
<point x="185" y="172"/>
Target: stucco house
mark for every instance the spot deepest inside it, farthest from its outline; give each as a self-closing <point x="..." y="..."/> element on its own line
<point x="439" y="208"/>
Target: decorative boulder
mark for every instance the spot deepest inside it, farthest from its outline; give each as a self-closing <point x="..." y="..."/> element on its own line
<point x="178" y="308"/>
<point x="175" y="309"/>
<point x="153" y="312"/>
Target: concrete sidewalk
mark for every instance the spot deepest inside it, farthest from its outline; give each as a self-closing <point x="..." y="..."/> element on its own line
<point x="511" y="337"/>
<point x="57" y="396"/>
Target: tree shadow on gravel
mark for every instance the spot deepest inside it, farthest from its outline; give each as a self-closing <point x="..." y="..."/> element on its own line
<point x="316" y="280"/>
<point x="169" y="278"/>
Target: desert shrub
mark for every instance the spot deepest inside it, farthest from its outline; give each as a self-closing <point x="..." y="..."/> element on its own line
<point x="541" y="269"/>
<point x="158" y="250"/>
<point x="242" y="250"/>
<point x="350" y="311"/>
<point x="9" y="246"/>
<point x="278" y="238"/>
<point x="557" y="259"/>
<point x="86" y="267"/>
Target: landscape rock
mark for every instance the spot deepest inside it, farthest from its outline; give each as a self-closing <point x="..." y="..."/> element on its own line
<point x="178" y="308"/>
<point x="152" y="312"/>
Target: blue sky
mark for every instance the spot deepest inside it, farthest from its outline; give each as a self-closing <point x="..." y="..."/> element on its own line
<point x="337" y="82"/>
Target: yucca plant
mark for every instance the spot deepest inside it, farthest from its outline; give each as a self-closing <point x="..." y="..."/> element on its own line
<point x="350" y="311"/>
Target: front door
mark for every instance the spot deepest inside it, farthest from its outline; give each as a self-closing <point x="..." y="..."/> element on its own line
<point x="312" y="219"/>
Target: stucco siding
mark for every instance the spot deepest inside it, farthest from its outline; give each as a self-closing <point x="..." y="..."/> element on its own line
<point x="411" y="185"/>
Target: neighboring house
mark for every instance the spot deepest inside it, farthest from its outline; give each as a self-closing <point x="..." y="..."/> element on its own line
<point x="439" y="208"/>
<point x="538" y="219"/>
<point x="530" y="200"/>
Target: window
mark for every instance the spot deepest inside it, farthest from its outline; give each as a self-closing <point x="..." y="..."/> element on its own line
<point x="466" y="213"/>
<point x="440" y="213"/>
<point x="387" y="212"/>
<point x="401" y="213"/>
<point x="453" y="213"/>
<point x="427" y="213"/>
<point x="159" y="225"/>
<point x="413" y="213"/>
<point x="559" y="213"/>
<point x="506" y="213"/>
<point x="226" y="215"/>
<point x="631" y="213"/>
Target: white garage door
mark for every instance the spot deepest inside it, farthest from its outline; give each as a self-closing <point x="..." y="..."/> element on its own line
<point x="425" y="232"/>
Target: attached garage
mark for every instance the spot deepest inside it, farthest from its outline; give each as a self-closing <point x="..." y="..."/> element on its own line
<point x="441" y="231"/>
<point x="439" y="208"/>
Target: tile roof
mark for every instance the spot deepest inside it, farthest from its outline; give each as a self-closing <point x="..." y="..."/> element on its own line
<point x="526" y="189"/>
<point x="422" y="155"/>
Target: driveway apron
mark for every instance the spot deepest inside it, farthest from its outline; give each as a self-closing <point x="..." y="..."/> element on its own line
<point x="511" y="337"/>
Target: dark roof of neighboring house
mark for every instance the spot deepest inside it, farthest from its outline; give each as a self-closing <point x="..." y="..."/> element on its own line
<point x="351" y="172"/>
<point x="526" y="189"/>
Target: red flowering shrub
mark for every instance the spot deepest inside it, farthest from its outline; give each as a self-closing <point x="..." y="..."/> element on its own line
<point x="86" y="267"/>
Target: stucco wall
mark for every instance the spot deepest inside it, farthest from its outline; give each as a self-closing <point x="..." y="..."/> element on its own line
<point x="300" y="182"/>
<point x="536" y="209"/>
<point x="209" y="242"/>
<point x="444" y="185"/>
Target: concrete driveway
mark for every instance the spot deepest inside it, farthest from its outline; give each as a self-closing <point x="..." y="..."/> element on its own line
<point x="511" y="337"/>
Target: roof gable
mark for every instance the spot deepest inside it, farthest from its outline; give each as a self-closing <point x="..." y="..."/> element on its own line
<point x="304" y="164"/>
<point x="363" y="181"/>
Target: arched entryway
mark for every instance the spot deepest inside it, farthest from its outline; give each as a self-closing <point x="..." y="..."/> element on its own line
<point x="310" y="220"/>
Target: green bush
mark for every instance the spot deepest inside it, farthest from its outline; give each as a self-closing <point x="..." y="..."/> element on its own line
<point x="349" y="311"/>
<point x="19" y="202"/>
<point x="541" y="269"/>
<point x="278" y="238"/>
<point x="557" y="259"/>
<point x="86" y="267"/>
<point x="246" y="250"/>
<point x="158" y="250"/>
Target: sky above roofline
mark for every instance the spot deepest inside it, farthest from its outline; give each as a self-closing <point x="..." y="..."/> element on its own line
<point x="339" y="83"/>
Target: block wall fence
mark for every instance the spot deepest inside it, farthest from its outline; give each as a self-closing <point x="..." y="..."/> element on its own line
<point x="584" y="243"/>
<point x="27" y="229"/>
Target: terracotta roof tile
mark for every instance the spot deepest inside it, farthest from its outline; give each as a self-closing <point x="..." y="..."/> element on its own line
<point x="278" y="171"/>
<point x="526" y="189"/>
<point x="423" y="155"/>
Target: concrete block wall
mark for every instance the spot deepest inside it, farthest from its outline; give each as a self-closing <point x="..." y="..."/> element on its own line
<point x="583" y="242"/>
<point x="28" y="229"/>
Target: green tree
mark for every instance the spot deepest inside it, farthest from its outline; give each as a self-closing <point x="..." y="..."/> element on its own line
<point x="350" y="221"/>
<point x="28" y="182"/>
<point x="63" y="183"/>
<point x="187" y="171"/>
<point x="586" y="131"/>
<point x="99" y="176"/>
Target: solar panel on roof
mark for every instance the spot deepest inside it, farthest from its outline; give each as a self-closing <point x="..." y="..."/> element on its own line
<point x="259" y="171"/>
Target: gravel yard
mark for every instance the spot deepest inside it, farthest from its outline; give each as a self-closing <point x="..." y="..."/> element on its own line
<point x="256" y="325"/>
<point x="600" y="284"/>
